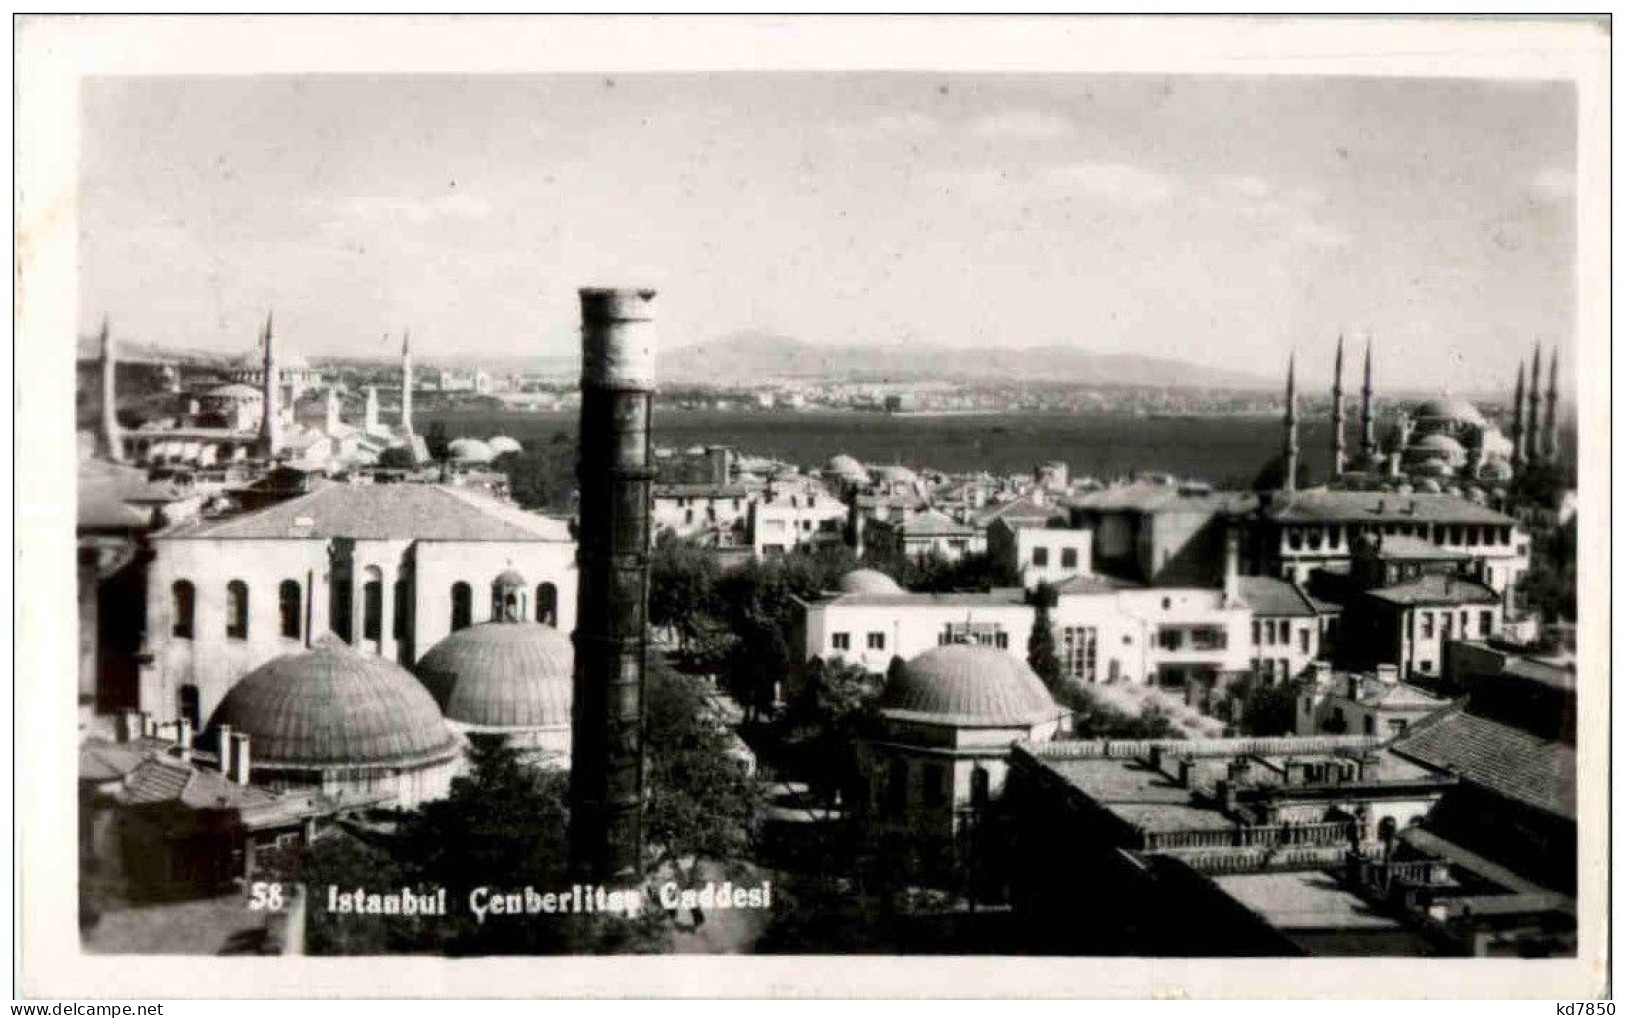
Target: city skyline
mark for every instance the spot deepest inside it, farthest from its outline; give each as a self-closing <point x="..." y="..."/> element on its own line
<point x="1116" y="214"/>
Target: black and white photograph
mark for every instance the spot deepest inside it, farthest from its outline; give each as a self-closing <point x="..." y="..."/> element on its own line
<point x="1052" y="512"/>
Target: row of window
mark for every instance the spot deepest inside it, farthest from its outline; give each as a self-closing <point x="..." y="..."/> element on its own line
<point x="843" y="641"/>
<point x="1445" y="623"/>
<point x="1272" y="632"/>
<point x="936" y="786"/>
<point x="290" y="608"/>
<point x="1069" y="557"/>
<point x="1192" y="637"/>
<point x="1331" y="537"/>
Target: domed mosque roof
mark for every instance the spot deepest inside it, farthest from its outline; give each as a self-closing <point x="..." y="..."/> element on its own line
<point x="470" y="450"/>
<point x="332" y="707"/>
<point x="1448" y="409"/>
<point x="967" y="685"/>
<point x="897" y="473"/>
<point x="502" y="675"/>
<point x="500" y="444"/>
<point x="868" y="581"/>
<point x="1442" y="444"/>
<point x="845" y="466"/>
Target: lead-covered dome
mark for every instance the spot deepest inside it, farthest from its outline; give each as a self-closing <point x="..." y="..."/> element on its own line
<point x="501" y="444"/>
<point x="845" y="466"/>
<point x="502" y="675"/>
<point x="332" y="707"/>
<point x="1457" y="411"/>
<point x="868" y="581"/>
<point x="470" y="450"/>
<point x="967" y="685"/>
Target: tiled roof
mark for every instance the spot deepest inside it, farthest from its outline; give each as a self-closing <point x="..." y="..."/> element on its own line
<point x="1430" y="589"/>
<point x="1023" y="511"/>
<point x="1402" y="547"/>
<point x="1497" y="756"/>
<point x="967" y="685"/>
<point x="932" y="523"/>
<point x="161" y="779"/>
<point x="1365" y="506"/>
<point x="1269" y="595"/>
<point x="998" y="597"/>
<point x="383" y="511"/>
<point x="700" y="491"/>
<point x="1096" y="583"/>
<point x="104" y="490"/>
<point x="1152" y="496"/>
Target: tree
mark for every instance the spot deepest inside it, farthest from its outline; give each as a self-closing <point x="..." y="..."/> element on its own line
<point x="1094" y="718"/>
<point x="1257" y="707"/>
<point x="682" y="587"/>
<point x="542" y="476"/>
<point x="821" y="720"/>
<point x="703" y="801"/>
<point x="396" y="457"/>
<point x="1041" y="643"/>
<point x="438" y="440"/>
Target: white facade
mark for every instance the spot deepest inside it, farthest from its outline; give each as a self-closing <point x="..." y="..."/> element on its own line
<point x="871" y="630"/>
<point x="690" y="509"/>
<point x="782" y="520"/>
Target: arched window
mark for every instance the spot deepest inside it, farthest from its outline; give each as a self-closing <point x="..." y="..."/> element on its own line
<point x="403" y="609"/>
<point x="462" y="606"/>
<point x="289" y="597"/>
<point x="236" y="610"/>
<point x="547" y="604"/>
<point x="372" y="605"/>
<point x="189" y="706"/>
<point x="979" y="786"/>
<point x="185" y="606"/>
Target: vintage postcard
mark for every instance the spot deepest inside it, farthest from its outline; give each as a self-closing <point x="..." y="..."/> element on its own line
<point x="1054" y="507"/>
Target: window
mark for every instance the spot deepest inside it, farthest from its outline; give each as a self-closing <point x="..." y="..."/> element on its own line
<point x="934" y="786"/>
<point x="1370" y="725"/>
<point x="1396" y="726"/>
<point x="1069" y="558"/>
<point x="403" y="610"/>
<point x="1078" y="652"/>
<point x="372" y="610"/>
<point x="184" y="596"/>
<point x="1258" y="628"/>
<point x="547" y="604"/>
<point x="462" y="606"/>
<point x="1303" y="639"/>
<point x="1170" y="638"/>
<point x="688" y="516"/>
<point x="189" y="709"/>
<point x="1294" y="539"/>
<point x="877" y="641"/>
<point x="1001" y="640"/>
<point x="288" y="597"/>
<point x="1425" y="665"/>
<point x="840" y="641"/>
<point x="1448" y="625"/>
<point x="979" y="787"/>
<point x="236" y="610"/>
<point x="1486" y="620"/>
<point x="1427" y="625"/>
<point x="1040" y="557"/>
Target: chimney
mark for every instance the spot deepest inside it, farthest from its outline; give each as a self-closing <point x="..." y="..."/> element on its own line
<point x="1354" y="686"/>
<point x="223" y="749"/>
<point x="614" y="473"/>
<point x="112" y="439"/>
<point x="271" y="419"/>
<point x="332" y="410"/>
<point x="1232" y="562"/>
<point x="406" y="383"/>
<point x="239" y="765"/>
<point x="129" y="725"/>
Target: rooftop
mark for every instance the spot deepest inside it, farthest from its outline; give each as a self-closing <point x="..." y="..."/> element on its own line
<point x="382" y="512"/>
<point x="1435" y="590"/>
<point x="700" y="491"/>
<point x="1504" y="759"/>
<point x="1325" y="506"/>
<point x="1405" y="548"/>
<point x="998" y="596"/>
<point x="1268" y="595"/>
<point x="1154" y="496"/>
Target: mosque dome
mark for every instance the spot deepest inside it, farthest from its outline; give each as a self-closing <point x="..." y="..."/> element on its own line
<point x="1495" y="471"/>
<point x="502" y="675"/>
<point x="868" y="581"/>
<point x="896" y="473"/>
<point x="845" y="466"/>
<point x="332" y="707"/>
<point x="1429" y="486"/>
<point x="1433" y="468"/>
<point x="235" y="391"/>
<point x="1456" y="411"/>
<point x="1440" y="444"/>
<point x="501" y="444"/>
<point x="470" y="450"/>
<point x="968" y="685"/>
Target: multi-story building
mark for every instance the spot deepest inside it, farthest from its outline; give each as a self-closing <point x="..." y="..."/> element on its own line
<point x="391" y="569"/>
<point x="924" y="534"/>
<point x="1161" y="534"/>
<point x="1290" y="629"/>
<point x="1363" y="703"/>
<point x="688" y="510"/>
<point x="790" y="514"/>
<point x="1040" y="552"/>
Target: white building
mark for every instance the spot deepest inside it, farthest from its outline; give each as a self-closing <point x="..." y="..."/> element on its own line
<point x="391" y="569"/>
<point x="801" y="512"/>
<point x="689" y="510"/>
<point x="1040" y="551"/>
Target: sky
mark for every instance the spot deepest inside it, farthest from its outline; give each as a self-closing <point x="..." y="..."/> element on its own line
<point x="1226" y="221"/>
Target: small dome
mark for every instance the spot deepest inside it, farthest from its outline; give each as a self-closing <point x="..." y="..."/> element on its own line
<point x="897" y="474"/>
<point x="235" y="390"/>
<point x="502" y="444"/>
<point x="868" y="581"/>
<point x="502" y="675"/>
<point x="510" y="578"/>
<point x="1441" y="444"/>
<point x="967" y="685"/>
<point x="846" y="467"/>
<point x="470" y="450"/>
<point x="332" y="707"/>
<point x="1457" y="411"/>
<point x="1429" y="486"/>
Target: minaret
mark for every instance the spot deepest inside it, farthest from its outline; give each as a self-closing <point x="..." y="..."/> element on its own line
<point x="332" y="410"/>
<point x="1368" y="423"/>
<point x="112" y="440"/>
<point x="615" y="472"/>
<point x="1289" y="482"/>
<point x="271" y="419"/>
<point x="1548" y="434"/>
<point x="370" y="421"/>
<point x="406" y="383"/>
<point x="1339" y="451"/>
<point x="1517" y="421"/>
<point x="1531" y="428"/>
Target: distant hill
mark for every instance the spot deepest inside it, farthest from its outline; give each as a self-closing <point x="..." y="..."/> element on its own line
<point x="744" y="357"/>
